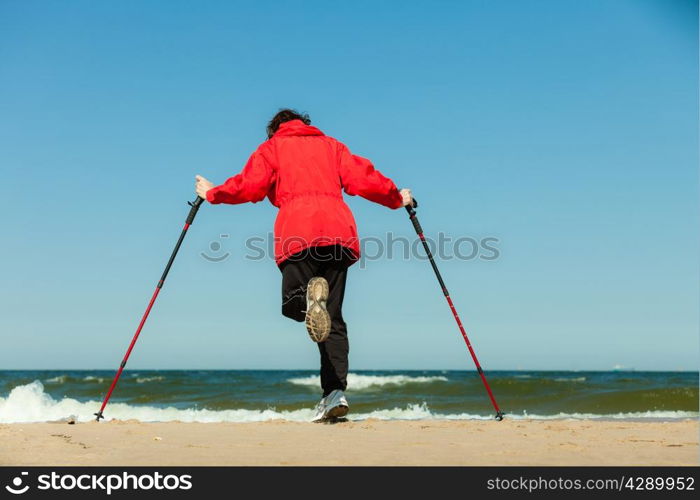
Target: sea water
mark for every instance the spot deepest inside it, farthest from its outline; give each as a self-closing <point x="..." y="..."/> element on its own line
<point x="259" y="395"/>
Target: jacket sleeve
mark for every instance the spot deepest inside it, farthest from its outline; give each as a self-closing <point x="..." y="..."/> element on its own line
<point x="359" y="177"/>
<point x="252" y="184"/>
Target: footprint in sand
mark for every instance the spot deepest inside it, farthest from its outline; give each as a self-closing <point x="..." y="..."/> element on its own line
<point x="570" y="444"/>
<point x="68" y="440"/>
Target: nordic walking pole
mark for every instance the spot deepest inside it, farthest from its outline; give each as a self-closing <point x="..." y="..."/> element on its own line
<point x="188" y="222"/>
<point x="419" y="230"/>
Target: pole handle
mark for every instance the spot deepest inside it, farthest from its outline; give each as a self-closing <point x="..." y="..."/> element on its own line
<point x="410" y="208"/>
<point x="193" y="211"/>
<point x="412" y="215"/>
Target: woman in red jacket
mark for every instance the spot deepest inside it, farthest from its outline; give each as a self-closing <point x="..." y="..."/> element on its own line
<point x="304" y="172"/>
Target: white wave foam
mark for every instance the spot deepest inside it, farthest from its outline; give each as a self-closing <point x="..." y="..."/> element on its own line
<point x="61" y="379"/>
<point x="570" y="379"/>
<point x="141" y="380"/>
<point x="633" y="415"/>
<point x="358" y="382"/>
<point x="29" y="403"/>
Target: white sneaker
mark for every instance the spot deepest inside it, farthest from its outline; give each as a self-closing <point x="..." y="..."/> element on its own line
<point x="335" y="405"/>
<point x="320" y="410"/>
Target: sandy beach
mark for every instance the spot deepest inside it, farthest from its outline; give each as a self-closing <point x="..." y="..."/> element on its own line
<point x="368" y="442"/>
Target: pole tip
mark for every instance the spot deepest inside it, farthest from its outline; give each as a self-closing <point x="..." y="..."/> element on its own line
<point x="99" y="415"/>
<point x="499" y="415"/>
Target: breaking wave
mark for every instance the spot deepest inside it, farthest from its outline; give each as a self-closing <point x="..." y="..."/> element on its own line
<point x="142" y="380"/>
<point x="358" y="382"/>
<point x="29" y="403"/>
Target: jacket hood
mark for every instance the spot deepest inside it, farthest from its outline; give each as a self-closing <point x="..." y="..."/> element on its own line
<point x="296" y="127"/>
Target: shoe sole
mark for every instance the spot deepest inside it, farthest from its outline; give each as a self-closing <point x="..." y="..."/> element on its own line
<point x="337" y="412"/>
<point x="318" y="321"/>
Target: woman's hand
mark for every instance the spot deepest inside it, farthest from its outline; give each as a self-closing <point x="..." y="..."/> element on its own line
<point x="407" y="197"/>
<point x="201" y="186"/>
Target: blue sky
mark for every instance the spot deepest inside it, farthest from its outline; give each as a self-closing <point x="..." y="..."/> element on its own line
<point x="567" y="130"/>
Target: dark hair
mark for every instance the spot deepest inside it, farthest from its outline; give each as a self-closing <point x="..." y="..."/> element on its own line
<point x="285" y="115"/>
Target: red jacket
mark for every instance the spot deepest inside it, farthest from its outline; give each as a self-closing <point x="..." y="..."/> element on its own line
<point x="303" y="172"/>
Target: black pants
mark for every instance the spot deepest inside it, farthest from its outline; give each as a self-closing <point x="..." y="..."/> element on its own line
<point x="330" y="262"/>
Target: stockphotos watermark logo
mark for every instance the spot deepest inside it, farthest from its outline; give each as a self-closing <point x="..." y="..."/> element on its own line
<point x="17" y="486"/>
<point x="104" y="483"/>
<point x="372" y="248"/>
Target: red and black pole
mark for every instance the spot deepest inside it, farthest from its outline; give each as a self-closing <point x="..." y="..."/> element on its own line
<point x="419" y="230"/>
<point x="188" y="222"/>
